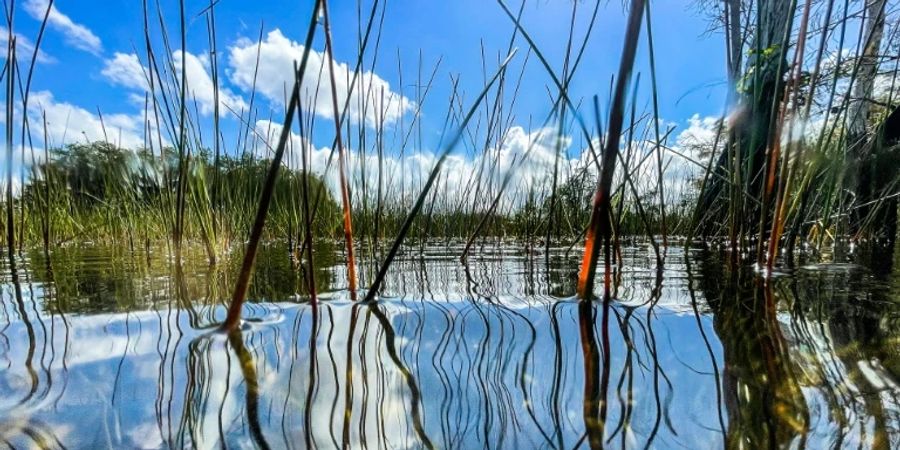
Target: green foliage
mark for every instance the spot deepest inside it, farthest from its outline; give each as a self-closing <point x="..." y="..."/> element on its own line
<point x="100" y="193"/>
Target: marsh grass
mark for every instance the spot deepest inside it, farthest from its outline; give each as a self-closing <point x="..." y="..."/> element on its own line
<point x="788" y="169"/>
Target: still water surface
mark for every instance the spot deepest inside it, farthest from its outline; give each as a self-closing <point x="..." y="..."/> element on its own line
<point x="101" y="348"/>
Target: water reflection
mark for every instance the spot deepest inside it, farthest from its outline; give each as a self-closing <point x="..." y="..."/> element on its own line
<point x="761" y="389"/>
<point x="112" y="350"/>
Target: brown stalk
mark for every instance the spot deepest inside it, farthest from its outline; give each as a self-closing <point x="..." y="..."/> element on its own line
<point x="345" y="193"/>
<point x="784" y="186"/>
<point x="600" y="218"/>
<point x="233" y="317"/>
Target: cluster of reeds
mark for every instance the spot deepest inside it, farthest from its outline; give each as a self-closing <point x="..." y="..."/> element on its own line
<point x="808" y="155"/>
<point x="804" y="155"/>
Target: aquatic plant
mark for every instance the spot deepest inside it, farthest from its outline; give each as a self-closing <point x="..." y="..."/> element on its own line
<point x="801" y="159"/>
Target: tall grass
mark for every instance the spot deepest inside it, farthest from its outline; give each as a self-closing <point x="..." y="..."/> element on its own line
<point x="797" y="161"/>
<point x="342" y="158"/>
<point x="600" y="227"/>
<point x="9" y="72"/>
<point x="265" y="199"/>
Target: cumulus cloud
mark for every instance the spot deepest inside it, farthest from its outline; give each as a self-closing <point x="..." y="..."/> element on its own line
<point x="265" y="137"/>
<point x="127" y="71"/>
<point x="697" y="142"/>
<point x="76" y="35"/>
<point x="67" y="123"/>
<point x="529" y="154"/>
<point x="24" y="48"/>
<point x="701" y="131"/>
<point x="886" y="87"/>
<point x="200" y="85"/>
<point x="277" y="56"/>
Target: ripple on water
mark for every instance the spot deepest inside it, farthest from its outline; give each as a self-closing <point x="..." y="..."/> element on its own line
<point x="107" y="349"/>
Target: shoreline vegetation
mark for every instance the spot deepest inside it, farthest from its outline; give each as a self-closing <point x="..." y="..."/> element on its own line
<point x="605" y="282"/>
<point x="805" y="158"/>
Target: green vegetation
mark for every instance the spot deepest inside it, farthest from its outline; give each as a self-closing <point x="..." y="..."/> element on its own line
<point x="805" y="157"/>
<point x="153" y="240"/>
<point x="106" y="195"/>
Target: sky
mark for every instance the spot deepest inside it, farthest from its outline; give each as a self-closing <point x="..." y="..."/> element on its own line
<point x="93" y="51"/>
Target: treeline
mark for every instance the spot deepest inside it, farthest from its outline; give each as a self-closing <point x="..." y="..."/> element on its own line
<point x="97" y="192"/>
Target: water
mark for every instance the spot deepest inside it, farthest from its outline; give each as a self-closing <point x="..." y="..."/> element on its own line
<point x="100" y="348"/>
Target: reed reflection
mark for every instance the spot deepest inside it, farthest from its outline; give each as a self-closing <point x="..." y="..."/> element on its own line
<point x="251" y="387"/>
<point x="596" y="372"/>
<point x="452" y="356"/>
<point x="760" y="391"/>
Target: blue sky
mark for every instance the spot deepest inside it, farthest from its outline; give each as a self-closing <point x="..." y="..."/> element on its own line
<point x="93" y="62"/>
<point x="690" y="61"/>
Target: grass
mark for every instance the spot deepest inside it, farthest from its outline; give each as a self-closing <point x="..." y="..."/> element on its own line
<point x="789" y="167"/>
<point x="600" y="228"/>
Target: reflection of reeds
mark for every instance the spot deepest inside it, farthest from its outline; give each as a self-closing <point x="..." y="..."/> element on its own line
<point x="595" y="390"/>
<point x="251" y="381"/>
<point x="471" y="358"/>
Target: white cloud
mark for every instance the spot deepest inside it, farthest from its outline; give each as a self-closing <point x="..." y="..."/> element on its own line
<point x="266" y="136"/>
<point x="67" y="123"/>
<point x="409" y="172"/>
<point x="532" y="169"/>
<point x="200" y="86"/>
<point x="24" y="48"/>
<point x="885" y="87"/>
<point x="696" y="142"/>
<point x="277" y="56"/>
<point x="75" y="34"/>
<point x="126" y="70"/>
<point x="700" y="132"/>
